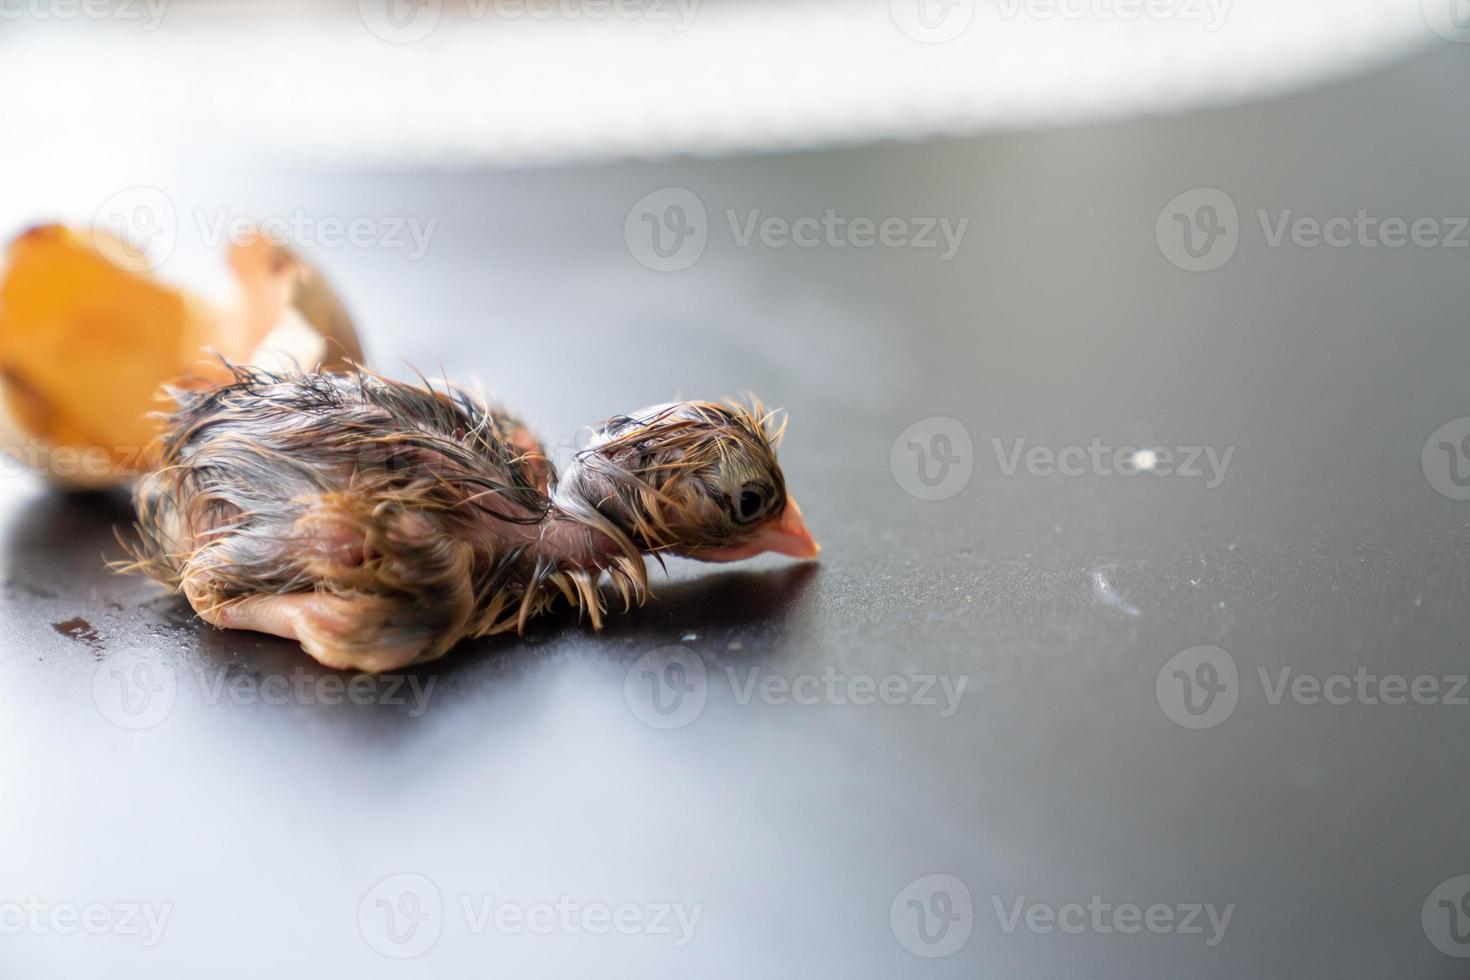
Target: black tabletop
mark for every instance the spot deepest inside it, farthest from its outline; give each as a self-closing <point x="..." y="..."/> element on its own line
<point x="1137" y="645"/>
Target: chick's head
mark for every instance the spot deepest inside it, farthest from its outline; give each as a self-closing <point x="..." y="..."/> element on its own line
<point x="697" y="479"/>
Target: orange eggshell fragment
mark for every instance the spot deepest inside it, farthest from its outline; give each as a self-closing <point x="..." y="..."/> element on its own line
<point x="85" y="344"/>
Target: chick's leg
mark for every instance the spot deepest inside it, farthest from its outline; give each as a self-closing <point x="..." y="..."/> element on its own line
<point x="391" y="589"/>
<point x="329" y="628"/>
<point x="344" y="631"/>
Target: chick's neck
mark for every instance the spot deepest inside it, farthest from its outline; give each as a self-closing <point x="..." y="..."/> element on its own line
<point x="588" y="526"/>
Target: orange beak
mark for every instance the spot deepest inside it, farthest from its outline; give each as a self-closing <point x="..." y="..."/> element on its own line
<point x="787" y="535"/>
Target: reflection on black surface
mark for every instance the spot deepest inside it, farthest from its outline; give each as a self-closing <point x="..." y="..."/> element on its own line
<point x="746" y="611"/>
<point x="58" y="546"/>
<point x="726" y="600"/>
<point x="59" y="543"/>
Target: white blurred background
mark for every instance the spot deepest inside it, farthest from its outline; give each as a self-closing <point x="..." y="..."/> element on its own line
<point x="387" y="82"/>
<point x="108" y="95"/>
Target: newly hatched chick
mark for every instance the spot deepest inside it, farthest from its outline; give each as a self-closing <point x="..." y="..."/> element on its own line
<point x="379" y="523"/>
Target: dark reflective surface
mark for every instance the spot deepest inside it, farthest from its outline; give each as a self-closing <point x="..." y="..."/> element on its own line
<point x="724" y="747"/>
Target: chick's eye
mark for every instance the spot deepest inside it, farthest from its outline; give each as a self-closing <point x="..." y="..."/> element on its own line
<point x="751" y="503"/>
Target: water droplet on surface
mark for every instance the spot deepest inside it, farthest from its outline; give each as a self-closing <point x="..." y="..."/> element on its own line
<point x="1103" y="591"/>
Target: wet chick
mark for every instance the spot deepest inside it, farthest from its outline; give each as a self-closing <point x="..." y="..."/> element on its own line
<point x="379" y="523"/>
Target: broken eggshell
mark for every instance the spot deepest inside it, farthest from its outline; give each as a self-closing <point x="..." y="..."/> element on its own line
<point x="88" y="336"/>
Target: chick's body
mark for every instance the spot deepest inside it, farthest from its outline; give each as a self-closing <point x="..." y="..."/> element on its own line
<point x="377" y="523"/>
